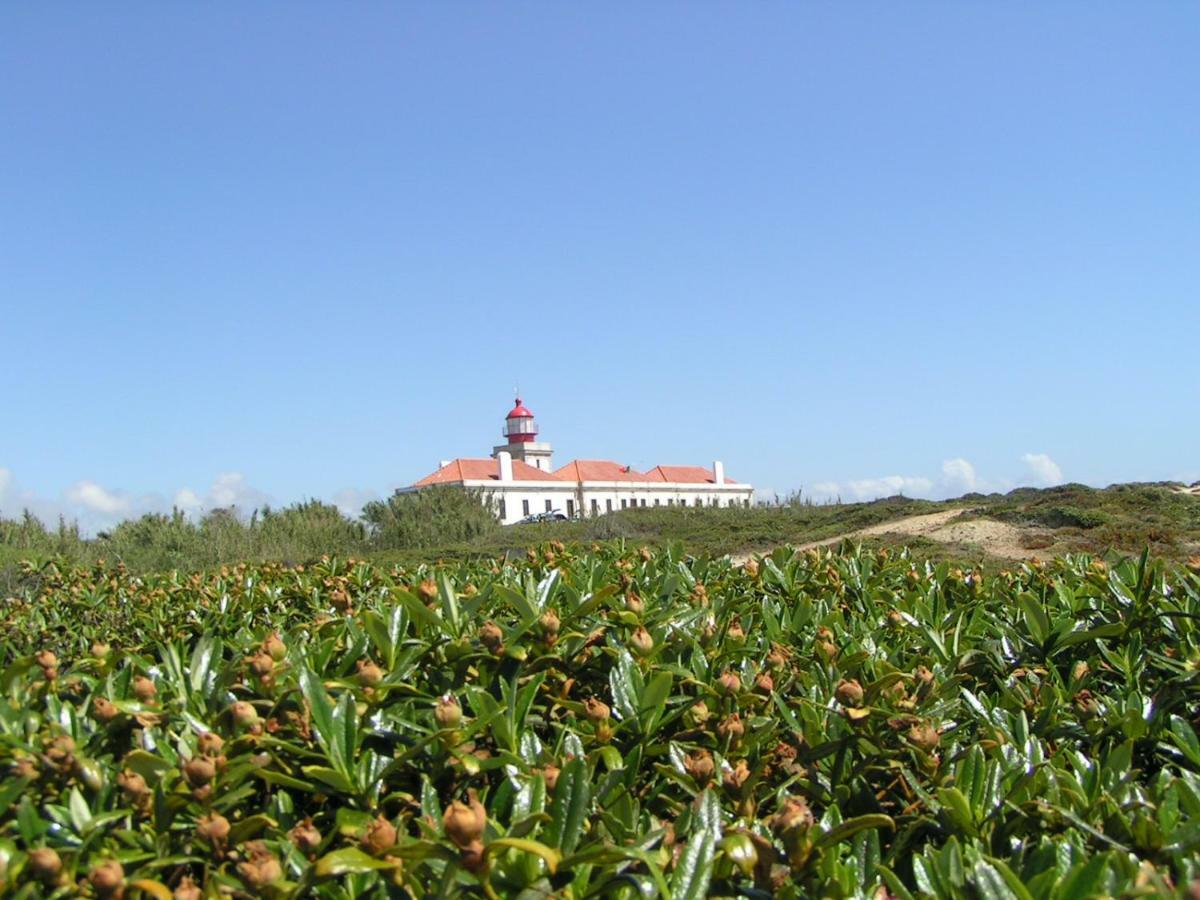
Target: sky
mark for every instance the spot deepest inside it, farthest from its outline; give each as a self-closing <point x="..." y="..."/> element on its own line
<point x="257" y="253"/>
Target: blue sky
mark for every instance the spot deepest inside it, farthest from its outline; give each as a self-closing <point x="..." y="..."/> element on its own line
<point x="275" y="251"/>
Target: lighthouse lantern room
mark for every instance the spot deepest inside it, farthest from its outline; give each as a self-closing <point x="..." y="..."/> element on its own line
<point x="519" y="424"/>
<point x="521" y="431"/>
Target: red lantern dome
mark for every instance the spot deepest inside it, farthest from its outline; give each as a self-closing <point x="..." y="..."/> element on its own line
<point x="519" y="425"/>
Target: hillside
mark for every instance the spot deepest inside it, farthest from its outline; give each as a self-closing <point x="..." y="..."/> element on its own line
<point x="989" y="529"/>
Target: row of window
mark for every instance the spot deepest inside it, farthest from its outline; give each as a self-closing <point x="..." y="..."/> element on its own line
<point x="625" y="504"/>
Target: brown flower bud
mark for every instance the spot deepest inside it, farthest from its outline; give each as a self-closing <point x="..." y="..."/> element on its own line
<point x="549" y="623"/>
<point x="700" y="766"/>
<point x="732" y="728"/>
<point x="244" y="714"/>
<point x="144" y="689"/>
<point x="45" y="865"/>
<point x="213" y="828"/>
<point x="380" y="836"/>
<point x="187" y="890"/>
<point x="792" y="818"/>
<point x="698" y="713"/>
<point x="550" y="773"/>
<point x="729" y="683"/>
<point x="104" y="710"/>
<point x="492" y="637"/>
<point x="261" y="868"/>
<point x="735" y="633"/>
<point x="923" y="675"/>
<point x="750" y="567"/>
<point x="735" y="779"/>
<point x="447" y="712"/>
<point x="924" y="737"/>
<point x="107" y="878"/>
<point x="764" y="683"/>
<point x="427" y="590"/>
<point x="199" y="771"/>
<point x="849" y="693"/>
<point x="261" y="664"/>
<point x="596" y="710"/>
<point x="134" y="785"/>
<point x="274" y="647"/>
<point x="210" y="744"/>
<point x="634" y="603"/>
<point x="369" y="674"/>
<point x="777" y="658"/>
<point x="464" y="823"/>
<point x="1086" y="705"/>
<point x="641" y="641"/>
<point x="305" y="836"/>
<point x="46" y="659"/>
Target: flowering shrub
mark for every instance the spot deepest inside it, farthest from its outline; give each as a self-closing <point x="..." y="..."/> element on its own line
<point x="603" y="723"/>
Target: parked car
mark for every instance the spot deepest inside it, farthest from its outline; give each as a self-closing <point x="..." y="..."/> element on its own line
<point x="555" y="515"/>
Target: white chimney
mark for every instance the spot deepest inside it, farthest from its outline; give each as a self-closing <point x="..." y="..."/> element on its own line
<point x="505" y="459"/>
<point x="443" y="463"/>
<point x="719" y="472"/>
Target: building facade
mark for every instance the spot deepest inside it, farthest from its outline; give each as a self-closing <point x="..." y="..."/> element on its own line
<point x="520" y="478"/>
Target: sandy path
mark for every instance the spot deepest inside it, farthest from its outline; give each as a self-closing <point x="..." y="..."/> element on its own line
<point x="996" y="538"/>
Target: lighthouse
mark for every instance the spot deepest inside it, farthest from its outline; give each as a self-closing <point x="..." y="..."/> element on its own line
<point x="521" y="432"/>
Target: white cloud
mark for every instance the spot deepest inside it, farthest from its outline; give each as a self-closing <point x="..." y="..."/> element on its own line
<point x="958" y="476"/>
<point x="1045" y="471"/>
<point x="97" y="499"/>
<point x="188" y="501"/>
<point x="350" y="501"/>
<point x="889" y="485"/>
<point x="228" y="489"/>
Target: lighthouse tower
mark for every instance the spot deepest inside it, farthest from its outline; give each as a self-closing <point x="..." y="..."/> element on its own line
<point x="520" y="430"/>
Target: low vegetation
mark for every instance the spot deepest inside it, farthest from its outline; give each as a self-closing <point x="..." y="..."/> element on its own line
<point x="616" y="723"/>
<point x="451" y="524"/>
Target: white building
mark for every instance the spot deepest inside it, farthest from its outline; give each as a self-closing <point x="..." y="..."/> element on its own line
<point x="520" y="477"/>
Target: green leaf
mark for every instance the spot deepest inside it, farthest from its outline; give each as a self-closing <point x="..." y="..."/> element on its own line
<point x="1186" y="740"/>
<point x="322" y="716"/>
<point x="1035" y="617"/>
<point x="331" y="777"/>
<point x="549" y="854"/>
<point x="348" y="861"/>
<point x="206" y="654"/>
<point x="1084" y="879"/>
<point x="570" y="807"/>
<point x="692" y="875"/>
<point x="625" y="682"/>
<point x="851" y="827"/>
<point x="653" y="700"/>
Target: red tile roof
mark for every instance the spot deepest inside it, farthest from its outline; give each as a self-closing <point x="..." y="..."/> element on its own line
<point x="684" y="475"/>
<point x="597" y="470"/>
<point x="459" y="470"/>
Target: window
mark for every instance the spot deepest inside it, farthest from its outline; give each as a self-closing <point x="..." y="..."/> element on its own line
<point x="524" y="507"/>
<point x="746" y="503"/>
<point x="670" y="501"/>
<point x="503" y="511"/>
<point x="656" y="501"/>
<point x="713" y="502"/>
<point x="595" y="507"/>
<point x="624" y="504"/>
<point x="608" y="503"/>
<point x="548" y="506"/>
<point x="683" y="501"/>
<point x="643" y="501"/>
<point x="570" y="509"/>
